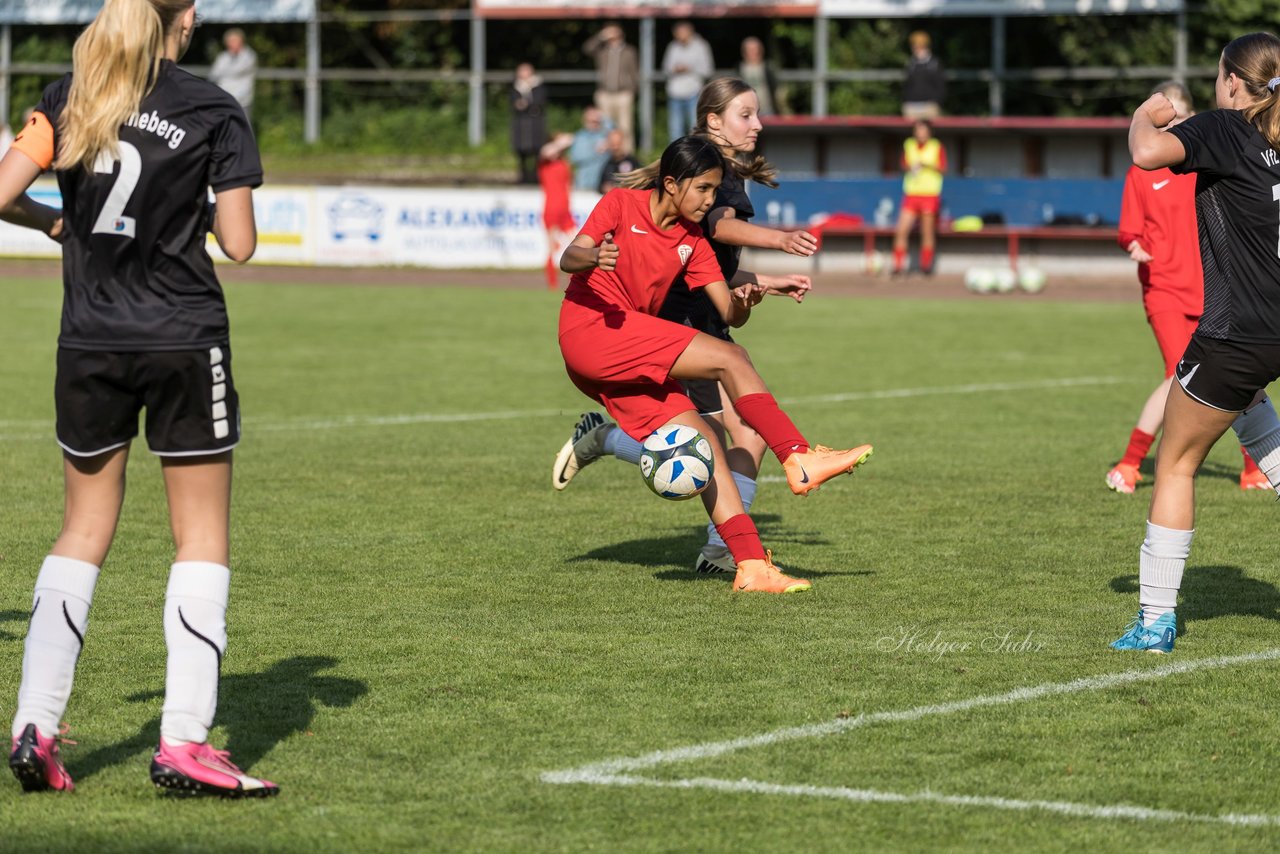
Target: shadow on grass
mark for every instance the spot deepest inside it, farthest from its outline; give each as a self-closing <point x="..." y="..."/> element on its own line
<point x="1217" y="591"/>
<point x="13" y="617"/>
<point x="258" y="711"/>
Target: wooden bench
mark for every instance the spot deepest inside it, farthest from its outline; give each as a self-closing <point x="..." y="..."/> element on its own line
<point x="1013" y="235"/>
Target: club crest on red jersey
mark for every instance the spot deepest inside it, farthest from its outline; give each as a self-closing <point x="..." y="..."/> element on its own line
<point x="686" y="252"/>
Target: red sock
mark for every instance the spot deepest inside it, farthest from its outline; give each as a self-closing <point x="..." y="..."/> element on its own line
<point x="1249" y="465"/>
<point x="740" y="535"/>
<point x="899" y="260"/>
<point x="926" y="258"/>
<point x="762" y="414"/>
<point x="553" y="273"/>
<point x="1139" y="444"/>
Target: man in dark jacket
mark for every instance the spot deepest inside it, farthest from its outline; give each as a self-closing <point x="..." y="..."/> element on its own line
<point x="926" y="83"/>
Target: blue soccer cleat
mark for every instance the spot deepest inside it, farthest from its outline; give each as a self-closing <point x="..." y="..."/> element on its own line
<point x="1157" y="637"/>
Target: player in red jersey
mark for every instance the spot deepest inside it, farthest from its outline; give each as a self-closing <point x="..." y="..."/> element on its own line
<point x="617" y="352"/>
<point x="1235" y="352"/>
<point x="556" y="177"/>
<point x="728" y="115"/>
<point x="1158" y="230"/>
<point x="137" y="144"/>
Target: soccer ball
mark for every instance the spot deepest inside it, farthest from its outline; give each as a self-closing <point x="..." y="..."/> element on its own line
<point x="1031" y="279"/>
<point x="1006" y="281"/>
<point x="676" y="462"/>
<point x="980" y="280"/>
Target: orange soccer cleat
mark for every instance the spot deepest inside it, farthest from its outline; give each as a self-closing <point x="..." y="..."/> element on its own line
<point x="809" y="470"/>
<point x="1254" y="480"/>
<point x="761" y="576"/>
<point x="1124" y="478"/>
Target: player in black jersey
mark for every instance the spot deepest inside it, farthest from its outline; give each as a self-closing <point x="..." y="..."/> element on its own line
<point x="728" y="115"/>
<point x="1235" y="351"/>
<point x="137" y="144"/>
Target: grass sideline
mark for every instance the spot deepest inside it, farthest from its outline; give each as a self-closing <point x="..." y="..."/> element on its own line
<point x="420" y="628"/>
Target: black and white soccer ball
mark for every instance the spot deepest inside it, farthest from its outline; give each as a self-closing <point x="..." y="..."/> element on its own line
<point x="676" y="462"/>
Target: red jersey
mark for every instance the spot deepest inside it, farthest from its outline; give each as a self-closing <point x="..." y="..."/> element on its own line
<point x="555" y="176"/>
<point x="649" y="258"/>
<point x="1158" y="210"/>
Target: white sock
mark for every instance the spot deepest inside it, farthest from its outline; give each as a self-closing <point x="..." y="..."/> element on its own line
<point x="59" y="618"/>
<point x="623" y="446"/>
<point x="1258" y="429"/>
<point x="747" y="489"/>
<point x="195" y="632"/>
<point x="1160" y="566"/>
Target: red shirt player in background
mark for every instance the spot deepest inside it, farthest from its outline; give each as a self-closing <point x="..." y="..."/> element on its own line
<point x="556" y="177"/>
<point x="617" y="352"/>
<point x="1158" y="230"/>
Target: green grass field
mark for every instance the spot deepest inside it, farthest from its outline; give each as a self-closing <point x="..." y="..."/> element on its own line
<point x="421" y="629"/>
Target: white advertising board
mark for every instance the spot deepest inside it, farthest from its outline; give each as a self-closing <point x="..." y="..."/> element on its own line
<point x="372" y="226"/>
<point x="83" y="11"/>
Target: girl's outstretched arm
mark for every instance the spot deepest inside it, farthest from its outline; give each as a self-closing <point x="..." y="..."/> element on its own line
<point x="794" y="286"/>
<point x="734" y="305"/>
<point x="725" y="227"/>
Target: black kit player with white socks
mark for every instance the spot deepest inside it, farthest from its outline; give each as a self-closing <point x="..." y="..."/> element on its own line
<point x="1235" y="352"/>
<point x="137" y="144"/>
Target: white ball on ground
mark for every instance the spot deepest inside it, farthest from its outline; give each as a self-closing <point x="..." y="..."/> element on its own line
<point x="1006" y="280"/>
<point x="1031" y="279"/>
<point x="980" y="280"/>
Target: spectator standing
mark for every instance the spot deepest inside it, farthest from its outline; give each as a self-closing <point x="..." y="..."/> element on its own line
<point x="759" y="76"/>
<point x="926" y="82"/>
<point x="590" y="150"/>
<point x="236" y="68"/>
<point x="688" y="64"/>
<point x="621" y="161"/>
<point x="528" y="120"/>
<point x="617" y="78"/>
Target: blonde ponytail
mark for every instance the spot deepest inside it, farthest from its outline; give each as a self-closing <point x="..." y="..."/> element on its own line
<point x="115" y="62"/>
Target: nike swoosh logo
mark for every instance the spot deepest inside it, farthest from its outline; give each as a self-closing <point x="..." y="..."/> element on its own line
<point x="804" y="475"/>
<point x="635" y="230"/>
<point x="1161" y="184"/>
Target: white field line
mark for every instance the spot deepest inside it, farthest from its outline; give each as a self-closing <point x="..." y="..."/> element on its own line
<point x="350" y="421"/>
<point x="872" y="796"/>
<point x="614" y="772"/>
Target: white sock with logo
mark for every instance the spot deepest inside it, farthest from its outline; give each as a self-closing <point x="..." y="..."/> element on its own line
<point x="1258" y="429"/>
<point x="746" y="489"/>
<point x="1160" y="567"/>
<point x="623" y="446"/>
<point x="59" y="618"/>
<point x="195" y="632"/>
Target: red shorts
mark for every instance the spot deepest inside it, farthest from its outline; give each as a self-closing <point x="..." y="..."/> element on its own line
<point x="922" y="204"/>
<point x="1173" y="331"/>
<point x="558" y="217"/>
<point x="622" y="359"/>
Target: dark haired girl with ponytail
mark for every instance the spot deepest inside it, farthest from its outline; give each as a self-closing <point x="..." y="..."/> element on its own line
<point x="634" y="245"/>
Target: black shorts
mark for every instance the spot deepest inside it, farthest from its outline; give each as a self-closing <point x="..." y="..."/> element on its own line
<point x="705" y="395"/>
<point x="1227" y="374"/>
<point x="191" y="401"/>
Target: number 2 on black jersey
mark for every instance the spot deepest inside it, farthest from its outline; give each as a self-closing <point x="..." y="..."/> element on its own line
<point x="112" y="219"/>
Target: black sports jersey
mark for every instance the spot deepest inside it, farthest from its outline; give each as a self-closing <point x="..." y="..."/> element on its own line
<point x="136" y="275"/>
<point x="695" y="308"/>
<point x="1238" y="217"/>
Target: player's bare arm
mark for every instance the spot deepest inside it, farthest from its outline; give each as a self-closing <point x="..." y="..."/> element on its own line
<point x="1149" y="145"/>
<point x="727" y="228"/>
<point x="734" y="305"/>
<point x="794" y="286"/>
<point x="234" y="225"/>
<point x="582" y="255"/>
<point x="17" y="173"/>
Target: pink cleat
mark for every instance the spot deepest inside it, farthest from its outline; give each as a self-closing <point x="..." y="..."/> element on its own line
<point x="36" y="763"/>
<point x="199" y="769"/>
